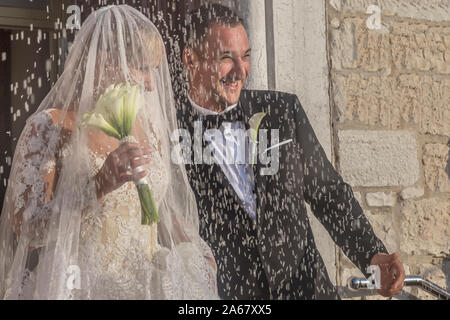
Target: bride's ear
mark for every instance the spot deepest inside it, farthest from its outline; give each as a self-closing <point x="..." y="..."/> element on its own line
<point x="188" y="58"/>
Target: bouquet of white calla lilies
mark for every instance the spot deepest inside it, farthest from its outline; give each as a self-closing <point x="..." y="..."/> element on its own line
<point x="115" y="113"/>
<point x="97" y="120"/>
<point x="117" y="107"/>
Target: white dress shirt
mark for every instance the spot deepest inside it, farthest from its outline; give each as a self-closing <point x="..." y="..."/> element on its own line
<point x="239" y="173"/>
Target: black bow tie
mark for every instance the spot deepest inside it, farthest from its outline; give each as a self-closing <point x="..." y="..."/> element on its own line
<point x="214" y="121"/>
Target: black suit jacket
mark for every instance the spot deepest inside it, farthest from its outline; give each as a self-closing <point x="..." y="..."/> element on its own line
<point x="275" y="257"/>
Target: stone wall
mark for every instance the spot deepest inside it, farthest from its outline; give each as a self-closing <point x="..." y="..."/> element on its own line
<point x="390" y="104"/>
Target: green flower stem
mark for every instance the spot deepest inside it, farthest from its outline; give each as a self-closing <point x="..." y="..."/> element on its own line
<point x="149" y="211"/>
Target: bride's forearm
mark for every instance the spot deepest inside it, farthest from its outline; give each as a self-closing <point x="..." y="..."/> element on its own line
<point x="102" y="187"/>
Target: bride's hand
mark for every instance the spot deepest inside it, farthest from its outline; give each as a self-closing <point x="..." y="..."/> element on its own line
<point x="119" y="167"/>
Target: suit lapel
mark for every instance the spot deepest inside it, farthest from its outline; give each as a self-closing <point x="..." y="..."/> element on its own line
<point x="250" y="107"/>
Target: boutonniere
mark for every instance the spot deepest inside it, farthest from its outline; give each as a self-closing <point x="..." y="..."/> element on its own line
<point x="255" y="122"/>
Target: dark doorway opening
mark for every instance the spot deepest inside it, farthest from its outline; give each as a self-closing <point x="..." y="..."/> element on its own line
<point x="25" y="80"/>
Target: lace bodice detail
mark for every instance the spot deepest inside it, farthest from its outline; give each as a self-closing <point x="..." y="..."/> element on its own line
<point x="123" y="247"/>
<point x="129" y="255"/>
<point x="117" y="220"/>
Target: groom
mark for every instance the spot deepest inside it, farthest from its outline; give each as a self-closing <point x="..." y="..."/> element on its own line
<point x="254" y="216"/>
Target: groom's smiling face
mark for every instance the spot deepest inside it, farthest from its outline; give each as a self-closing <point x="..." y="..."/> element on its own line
<point x="219" y="69"/>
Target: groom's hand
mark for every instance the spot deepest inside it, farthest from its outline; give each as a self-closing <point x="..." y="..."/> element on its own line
<point x="392" y="273"/>
<point x="119" y="167"/>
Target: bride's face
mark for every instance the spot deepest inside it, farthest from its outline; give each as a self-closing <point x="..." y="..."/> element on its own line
<point x="142" y="61"/>
<point x="144" y="76"/>
<point x="143" y="71"/>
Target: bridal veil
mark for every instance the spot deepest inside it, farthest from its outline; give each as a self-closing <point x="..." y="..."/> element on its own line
<point x="51" y="189"/>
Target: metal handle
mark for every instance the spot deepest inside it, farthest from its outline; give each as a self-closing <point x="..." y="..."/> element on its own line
<point x="410" y="281"/>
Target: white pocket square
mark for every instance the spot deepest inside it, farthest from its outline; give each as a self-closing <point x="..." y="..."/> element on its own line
<point x="278" y="145"/>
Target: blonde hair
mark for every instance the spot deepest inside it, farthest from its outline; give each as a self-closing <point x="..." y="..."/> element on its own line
<point x="148" y="48"/>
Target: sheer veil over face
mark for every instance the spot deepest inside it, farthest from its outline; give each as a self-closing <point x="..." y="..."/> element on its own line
<point x="54" y="232"/>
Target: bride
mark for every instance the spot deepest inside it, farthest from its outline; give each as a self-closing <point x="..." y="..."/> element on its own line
<point x="71" y="222"/>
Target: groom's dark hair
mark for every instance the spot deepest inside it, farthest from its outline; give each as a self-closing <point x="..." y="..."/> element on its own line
<point x="199" y="21"/>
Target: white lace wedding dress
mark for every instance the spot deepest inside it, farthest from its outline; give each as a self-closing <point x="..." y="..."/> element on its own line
<point x="117" y="255"/>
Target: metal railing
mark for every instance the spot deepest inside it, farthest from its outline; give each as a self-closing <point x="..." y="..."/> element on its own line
<point x="359" y="287"/>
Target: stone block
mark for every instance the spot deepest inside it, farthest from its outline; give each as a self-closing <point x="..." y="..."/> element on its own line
<point x="378" y="158"/>
<point x="412" y="193"/>
<point x="381" y="199"/>
<point x="409" y="46"/>
<point x="436" y="162"/>
<point x="425" y="228"/>
<point x="431" y="10"/>
<point x="393" y="102"/>
<point x="383" y="226"/>
<point x="353" y="46"/>
<point x="343" y="48"/>
<point x="417" y="47"/>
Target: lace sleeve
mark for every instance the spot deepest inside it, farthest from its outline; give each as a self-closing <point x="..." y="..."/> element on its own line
<point x="34" y="177"/>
